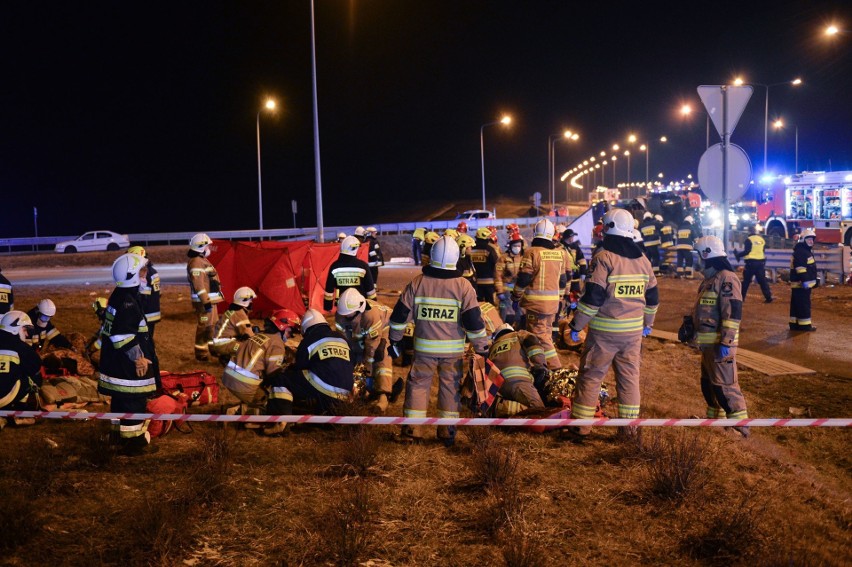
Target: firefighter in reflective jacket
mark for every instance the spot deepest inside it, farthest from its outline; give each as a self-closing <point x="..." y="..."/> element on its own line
<point x="667" y="236"/>
<point x="375" y="258"/>
<point x="619" y="306"/>
<point x="485" y="257"/>
<point x="205" y="292"/>
<point x="322" y="375"/>
<point x="505" y="275"/>
<point x="444" y="309"/>
<point x="491" y="317"/>
<point x="417" y="238"/>
<point x="545" y="269"/>
<point x="258" y="365"/>
<point x="717" y="316"/>
<point x="7" y="297"/>
<point x="367" y="323"/>
<point x="465" y="264"/>
<point x="149" y="291"/>
<point x="128" y="372"/>
<point x="570" y="241"/>
<point x="233" y="327"/>
<point x="45" y="333"/>
<point x="348" y="271"/>
<point x="429" y="239"/>
<point x="652" y="239"/>
<point x="686" y="235"/>
<point x="803" y="278"/>
<point x="20" y="365"/>
<point x="755" y="264"/>
<point x="516" y="354"/>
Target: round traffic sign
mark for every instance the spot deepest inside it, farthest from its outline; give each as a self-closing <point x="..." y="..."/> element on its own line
<point x="710" y="172"/>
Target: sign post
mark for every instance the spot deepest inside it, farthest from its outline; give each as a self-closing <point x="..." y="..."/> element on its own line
<point x="295" y="210"/>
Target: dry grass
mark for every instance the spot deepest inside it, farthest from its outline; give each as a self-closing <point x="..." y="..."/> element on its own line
<point x="677" y="463"/>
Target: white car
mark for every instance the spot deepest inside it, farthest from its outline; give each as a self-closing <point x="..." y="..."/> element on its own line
<point x="94" y="240"/>
<point x="476" y="214"/>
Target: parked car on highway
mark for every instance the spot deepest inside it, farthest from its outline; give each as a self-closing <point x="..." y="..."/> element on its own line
<point x="94" y="240"/>
<point x="475" y="214"/>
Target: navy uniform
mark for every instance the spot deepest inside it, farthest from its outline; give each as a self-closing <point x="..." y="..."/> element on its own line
<point x="485" y="256"/>
<point x="686" y="235"/>
<point x="7" y="297"/>
<point x="348" y="271"/>
<point x="652" y="240"/>
<point x="149" y="298"/>
<point x="375" y="258"/>
<point x="20" y="365"/>
<point x="45" y="333"/>
<point x="803" y="278"/>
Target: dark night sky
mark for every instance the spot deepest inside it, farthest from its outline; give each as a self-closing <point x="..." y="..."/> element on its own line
<point x="140" y="117"/>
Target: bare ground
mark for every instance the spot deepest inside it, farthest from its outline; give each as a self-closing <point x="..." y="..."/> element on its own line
<point x="222" y="496"/>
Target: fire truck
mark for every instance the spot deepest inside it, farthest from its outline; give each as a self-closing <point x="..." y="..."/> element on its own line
<point x="812" y="199"/>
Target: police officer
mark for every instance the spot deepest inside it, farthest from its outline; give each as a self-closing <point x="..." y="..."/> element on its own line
<point x="520" y="358"/>
<point x="348" y="271"/>
<point x="619" y="306"/>
<point x="366" y="323"/>
<point x="7" y="297"/>
<point x="444" y="309"/>
<point x="686" y="235"/>
<point x="233" y="327"/>
<point x="717" y="314"/>
<point x="755" y="264"/>
<point x="375" y="258"/>
<point x="149" y="291"/>
<point x="544" y="271"/>
<point x="128" y="371"/>
<point x="652" y="240"/>
<point x="20" y="366"/>
<point x="803" y="278"/>
<point x="45" y="333"/>
<point x="205" y="292"/>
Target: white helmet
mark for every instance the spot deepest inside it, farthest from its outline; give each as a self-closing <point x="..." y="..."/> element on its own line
<point x="637" y="236"/>
<point x="445" y="254"/>
<point x="371" y="230"/>
<point x="244" y="296"/>
<point x="658" y="218"/>
<point x="125" y="270"/>
<point x="16" y="323"/>
<point x="351" y="301"/>
<point x="618" y="222"/>
<point x="47" y="307"/>
<point x="544" y="229"/>
<point x="807" y="233"/>
<point x="359" y="231"/>
<point x="647" y="215"/>
<point x="312" y="317"/>
<point x="349" y="246"/>
<point x="501" y="328"/>
<point x="341" y="236"/>
<point x="710" y="247"/>
<point x="688" y="218"/>
<point x="199" y="243"/>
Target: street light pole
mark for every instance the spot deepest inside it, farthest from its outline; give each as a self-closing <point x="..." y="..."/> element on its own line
<point x="797" y="149"/>
<point x="270" y="105"/>
<point x="551" y="154"/>
<point x="506" y="120"/>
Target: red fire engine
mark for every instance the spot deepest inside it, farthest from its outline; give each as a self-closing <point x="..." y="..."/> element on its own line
<point x="814" y="199"/>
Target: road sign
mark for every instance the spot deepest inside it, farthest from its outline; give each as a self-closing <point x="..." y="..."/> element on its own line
<point x="710" y="173"/>
<point x="738" y="97"/>
<point x="537" y="199"/>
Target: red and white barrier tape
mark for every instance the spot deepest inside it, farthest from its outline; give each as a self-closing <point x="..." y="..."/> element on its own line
<point x="384" y="420"/>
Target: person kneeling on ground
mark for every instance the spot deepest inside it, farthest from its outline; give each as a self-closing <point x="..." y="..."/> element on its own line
<point x="234" y="327"/>
<point x="520" y="358"/>
<point x="20" y="365"/>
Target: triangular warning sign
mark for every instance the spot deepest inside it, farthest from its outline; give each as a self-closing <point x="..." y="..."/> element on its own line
<point x="738" y="97"/>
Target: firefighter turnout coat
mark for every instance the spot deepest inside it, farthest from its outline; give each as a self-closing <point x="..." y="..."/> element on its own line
<point x="20" y="371"/>
<point x="513" y="352"/>
<point x="7" y="296"/>
<point x="345" y="272"/>
<point x="256" y="359"/>
<point x="149" y="295"/>
<point x="231" y="328"/>
<point x="370" y="331"/>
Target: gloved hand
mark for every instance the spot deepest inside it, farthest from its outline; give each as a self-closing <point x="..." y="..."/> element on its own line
<point x="395" y="349"/>
<point x="575" y="336"/>
<point x="646" y="331"/>
<point x="515" y="306"/>
<point x="572" y="305"/>
<point x="724" y="351"/>
<point x="539" y="374"/>
<point x="503" y="296"/>
<point x="208" y="307"/>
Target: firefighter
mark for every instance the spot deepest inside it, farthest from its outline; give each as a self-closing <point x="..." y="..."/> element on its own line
<point x="205" y="292"/>
<point x="340" y="236"/>
<point x="717" y="314"/>
<point x="444" y="309"/>
<point x="322" y="375"/>
<point x="417" y="238"/>
<point x="360" y="234"/>
<point x="619" y="305"/>
<point x="20" y="365"/>
<point x="367" y="323"/>
<point x="755" y="264"/>
<point x="544" y="270"/>
<point x="45" y="333"/>
<point x="93" y="346"/>
<point x="667" y="248"/>
<point x="520" y="358"/>
<point x="233" y="327"/>
<point x="128" y="371"/>
<point x="490" y="316"/>
<point x="429" y="239"/>
<point x="803" y="278"/>
<point x="652" y="240"/>
<point x="462" y="227"/>
<point x="149" y="291"/>
<point x="570" y="240"/>
<point x="686" y="235"/>
<point x="348" y="271"/>
<point x="7" y="297"/>
<point x="505" y="275"/>
<point x="257" y="366"/>
<point x="485" y="257"/>
<point x="465" y="264"/>
<point x="375" y="258"/>
<point x="597" y="236"/>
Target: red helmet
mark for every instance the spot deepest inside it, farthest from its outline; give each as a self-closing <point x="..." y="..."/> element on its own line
<point x="493" y="230"/>
<point x="515" y="236"/>
<point x="510" y="228"/>
<point x="283" y="319"/>
<point x="462" y="227"/>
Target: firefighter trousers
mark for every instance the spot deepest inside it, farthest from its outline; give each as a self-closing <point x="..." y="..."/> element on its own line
<point x="522" y="391"/>
<point x="622" y="351"/>
<point x="720" y="386"/>
<point x="487" y="292"/>
<point x="203" y="329"/>
<point x="653" y="254"/>
<point x="541" y="325"/>
<point x="756" y="269"/>
<point x="684" y="262"/>
<point x="800" y="307"/>
<point x="419" y="385"/>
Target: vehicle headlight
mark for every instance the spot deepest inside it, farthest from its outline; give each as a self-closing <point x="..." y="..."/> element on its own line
<point x="745" y="216"/>
<point x="714" y="214"/>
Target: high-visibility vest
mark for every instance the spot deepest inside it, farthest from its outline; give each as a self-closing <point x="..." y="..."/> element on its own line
<point x="757" y="248"/>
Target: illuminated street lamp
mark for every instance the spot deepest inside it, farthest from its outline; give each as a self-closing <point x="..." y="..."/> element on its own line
<point x="779" y="125"/>
<point x="269" y="105"/>
<point x="505" y="121"/>
<point x="646" y="147"/>
<point x="614" y="158"/>
<point x="686" y="110"/>
<point x="627" y="153"/>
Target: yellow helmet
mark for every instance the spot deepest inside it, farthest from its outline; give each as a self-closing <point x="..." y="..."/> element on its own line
<point x="452" y="233"/>
<point x="465" y="241"/>
<point x="431" y="237"/>
<point x="483" y="233"/>
<point x="138" y="250"/>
